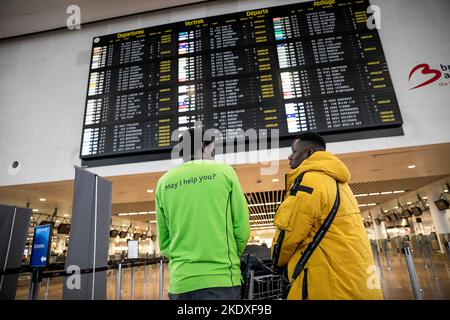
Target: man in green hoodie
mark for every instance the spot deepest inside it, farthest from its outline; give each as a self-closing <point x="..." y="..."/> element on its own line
<point x="203" y="224"/>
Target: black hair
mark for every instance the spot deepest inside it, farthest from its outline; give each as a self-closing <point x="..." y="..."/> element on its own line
<point x="193" y="150"/>
<point x="313" y="139"/>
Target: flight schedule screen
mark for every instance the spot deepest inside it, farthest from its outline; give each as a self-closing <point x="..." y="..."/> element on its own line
<point x="309" y="66"/>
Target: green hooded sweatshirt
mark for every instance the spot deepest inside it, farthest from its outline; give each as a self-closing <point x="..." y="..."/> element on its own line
<point x="203" y="225"/>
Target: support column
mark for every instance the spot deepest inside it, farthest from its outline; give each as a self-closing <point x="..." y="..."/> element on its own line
<point x="89" y="236"/>
<point x="440" y="219"/>
<point x="380" y="231"/>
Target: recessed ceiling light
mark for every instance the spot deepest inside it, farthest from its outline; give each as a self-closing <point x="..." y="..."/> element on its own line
<point x="150" y="190"/>
<point x="361" y="195"/>
<point x="261" y="214"/>
<point x="275" y="180"/>
<point x="386" y="192"/>
<point x="398" y="191"/>
<point x="42" y="199"/>
<point x="152" y="221"/>
<point x="263" y="204"/>
<point x="425" y="198"/>
<point x="409" y="202"/>
<point x="371" y="204"/>
<point x="411" y="166"/>
<point x="446" y="190"/>
<point x="31" y="217"/>
<point x="124" y="225"/>
<point x="57" y="221"/>
<point x="35" y="210"/>
<point x="123" y="214"/>
<point x="362" y="205"/>
<point x="385" y="211"/>
<point x="66" y="215"/>
<point x="259" y="220"/>
<point x="374" y="194"/>
<point x="396" y="207"/>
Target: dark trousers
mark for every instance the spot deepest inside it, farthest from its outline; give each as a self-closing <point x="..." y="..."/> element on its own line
<point x="222" y="293"/>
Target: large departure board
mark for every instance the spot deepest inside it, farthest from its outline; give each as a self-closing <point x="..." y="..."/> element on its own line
<point x="308" y="66"/>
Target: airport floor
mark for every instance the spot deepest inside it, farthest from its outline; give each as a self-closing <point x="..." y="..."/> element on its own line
<point x="395" y="283"/>
<point x="435" y="284"/>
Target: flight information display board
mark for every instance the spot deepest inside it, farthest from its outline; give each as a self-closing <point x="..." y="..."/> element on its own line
<point x="307" y="66"/>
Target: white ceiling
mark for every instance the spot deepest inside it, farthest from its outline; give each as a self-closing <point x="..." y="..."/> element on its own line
<point x="20" y="17"/>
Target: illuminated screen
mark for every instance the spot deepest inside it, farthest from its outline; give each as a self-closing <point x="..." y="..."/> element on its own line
<point x="308" y="66"/>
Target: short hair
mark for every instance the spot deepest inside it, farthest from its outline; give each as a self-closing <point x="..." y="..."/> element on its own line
<point x="312" y="138"/>
<point x="193" y="150"/>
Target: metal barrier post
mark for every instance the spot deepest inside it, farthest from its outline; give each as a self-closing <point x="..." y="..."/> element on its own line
<point x="386" y="254"/>
<point x="430" y="255"/>
<point x="412" y="272"/>
<point x="33" y="293"/>
<point x="377" y="260"/>
<point x="415" y="244"/>
<point x="46" y="288"/>
<point x="393" y="246"/>
<point x="132" y="284"/>
<point x="377" y="242"/>
<point x="422" y="251"/>
<point x="145" y="281"/>
<point x="398" y="246"/>
<point x="112" y="277"/>
<point x="145" y="275"/>
<point x="251" y="287"/>
<point x="447" y="248"/>
<point x="121" y="278"/>
<point x="118" y="281"/>
<point x="161" y="279"/>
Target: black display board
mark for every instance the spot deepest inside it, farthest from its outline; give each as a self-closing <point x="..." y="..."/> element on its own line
<point x="307" y="66"/>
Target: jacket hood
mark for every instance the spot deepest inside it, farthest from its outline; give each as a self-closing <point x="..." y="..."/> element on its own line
<point x="322" y="161"/>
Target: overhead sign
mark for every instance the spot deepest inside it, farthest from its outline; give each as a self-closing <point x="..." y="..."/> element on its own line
<point x="41" y="246"/>
<point x="306" y="66"/>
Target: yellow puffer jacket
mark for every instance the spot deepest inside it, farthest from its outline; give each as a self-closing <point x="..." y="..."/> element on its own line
<point x="342" y="266"/>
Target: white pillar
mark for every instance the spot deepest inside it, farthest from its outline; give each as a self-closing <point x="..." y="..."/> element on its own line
<point x="440" y="218"/>
<point x="60" y="243"/>
<point x="380" y="231"/>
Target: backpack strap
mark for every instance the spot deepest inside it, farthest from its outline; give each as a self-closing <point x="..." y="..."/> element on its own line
<point x="318" y="236"/>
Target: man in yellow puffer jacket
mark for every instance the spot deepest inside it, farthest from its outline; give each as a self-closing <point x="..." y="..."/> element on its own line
<point x="342" y="266"/>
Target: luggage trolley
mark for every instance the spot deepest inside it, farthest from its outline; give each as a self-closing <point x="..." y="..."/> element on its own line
<point x="260" y="282"/>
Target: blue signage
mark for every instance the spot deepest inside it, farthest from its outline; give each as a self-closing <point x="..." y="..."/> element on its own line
<point x="41" y="246"/>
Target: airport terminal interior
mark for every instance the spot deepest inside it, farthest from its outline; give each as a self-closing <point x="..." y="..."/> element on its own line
<point x="91" y="94"/>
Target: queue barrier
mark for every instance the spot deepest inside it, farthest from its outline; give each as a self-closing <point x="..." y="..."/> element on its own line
<point x="57" y="270"/>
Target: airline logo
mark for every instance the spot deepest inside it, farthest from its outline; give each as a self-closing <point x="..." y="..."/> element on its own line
<point x="422" y="75"/>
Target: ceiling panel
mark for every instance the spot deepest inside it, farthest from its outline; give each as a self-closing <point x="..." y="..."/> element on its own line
<point x="377" y="187"/>
<point x="21" y="17"/>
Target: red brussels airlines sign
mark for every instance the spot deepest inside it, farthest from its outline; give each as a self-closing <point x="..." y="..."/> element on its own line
<point x="429" y="74"/>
